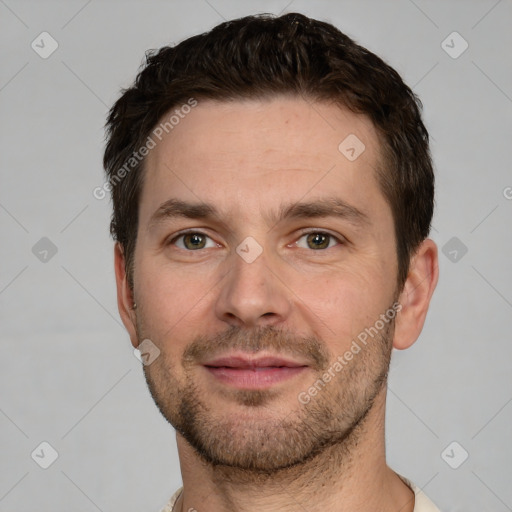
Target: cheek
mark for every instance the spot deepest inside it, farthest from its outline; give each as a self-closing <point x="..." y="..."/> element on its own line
<point x="343" y="304"/>
<point x="172" y="298"/>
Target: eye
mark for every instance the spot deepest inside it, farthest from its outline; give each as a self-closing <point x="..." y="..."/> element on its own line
<point x="317" y="240"/>
<point x="193" y="241"/>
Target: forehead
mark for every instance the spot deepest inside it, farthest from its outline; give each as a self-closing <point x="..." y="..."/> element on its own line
<point x="242" y="155"/>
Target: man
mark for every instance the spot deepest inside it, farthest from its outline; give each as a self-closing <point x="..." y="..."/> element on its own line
<point x="273" y="192"/>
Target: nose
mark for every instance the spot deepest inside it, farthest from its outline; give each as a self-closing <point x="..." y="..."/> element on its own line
<point x="252" y="294"/>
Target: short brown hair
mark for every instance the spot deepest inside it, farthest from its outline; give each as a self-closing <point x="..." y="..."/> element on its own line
<point x="259" y="57"/>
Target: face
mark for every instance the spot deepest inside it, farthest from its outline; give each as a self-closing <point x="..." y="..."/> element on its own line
<point x="261" y="243"/>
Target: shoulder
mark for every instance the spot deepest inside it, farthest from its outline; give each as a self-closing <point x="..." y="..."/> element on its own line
<point x="422" y="502"/>
<point x="172" y="501"/>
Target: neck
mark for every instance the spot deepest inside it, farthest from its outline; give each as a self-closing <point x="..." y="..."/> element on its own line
<point x="347" y="477"/>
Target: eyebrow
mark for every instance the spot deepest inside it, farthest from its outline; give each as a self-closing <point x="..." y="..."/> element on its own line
<point x="322" y="207"/>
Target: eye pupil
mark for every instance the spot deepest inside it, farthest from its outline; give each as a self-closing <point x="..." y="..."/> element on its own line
<point x="318" y="240"/>
<point x="194" y="241"/>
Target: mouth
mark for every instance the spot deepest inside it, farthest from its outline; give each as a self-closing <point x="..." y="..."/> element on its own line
<point x="253" y="373"/>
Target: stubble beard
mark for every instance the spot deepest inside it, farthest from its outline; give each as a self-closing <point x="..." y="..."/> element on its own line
<point x="256" y="443"/>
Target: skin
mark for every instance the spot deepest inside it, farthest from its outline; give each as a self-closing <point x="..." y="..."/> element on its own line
<point x="246" y="450"/>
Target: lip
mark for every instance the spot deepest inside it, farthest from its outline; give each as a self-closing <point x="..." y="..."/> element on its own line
<point x="253" y="372"/>
<point x="245" y="362"/>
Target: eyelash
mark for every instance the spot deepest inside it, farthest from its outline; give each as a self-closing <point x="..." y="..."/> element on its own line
<point x="341" y="240"/>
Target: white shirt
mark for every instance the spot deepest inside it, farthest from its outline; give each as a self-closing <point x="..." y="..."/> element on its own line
<point x="421" y="503"/>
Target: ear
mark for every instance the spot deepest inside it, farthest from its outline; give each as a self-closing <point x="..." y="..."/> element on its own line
<point x="416" y="294"/>
<point x="125" y="295"/>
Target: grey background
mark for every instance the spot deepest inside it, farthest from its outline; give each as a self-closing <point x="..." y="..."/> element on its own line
<point x="68" y="374"/>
